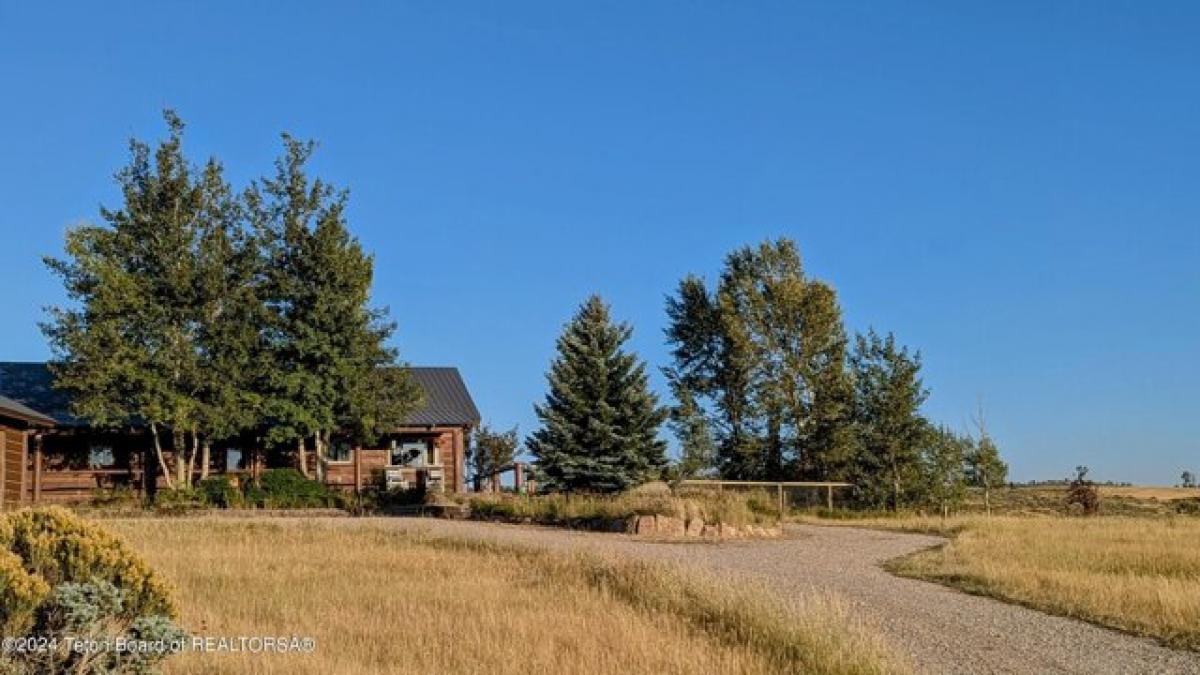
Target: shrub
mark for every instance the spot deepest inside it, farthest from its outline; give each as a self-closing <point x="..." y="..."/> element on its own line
<point x="179" y="500"/>
<point x="63" y="577"/>
<point x="289" y="489"/>
<point x="1083" y="496"/>
<point x="220" y="491"/>
<point x="121" y="496"/>
<point x="1188" y="507"/>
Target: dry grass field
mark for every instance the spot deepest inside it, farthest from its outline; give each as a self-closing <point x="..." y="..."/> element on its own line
<point x="1140" y="575"/>
<point x="1164" y="494"/>
<point x="381" y="601"/>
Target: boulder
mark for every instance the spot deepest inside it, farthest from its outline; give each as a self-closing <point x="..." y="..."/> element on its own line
<point x="655" y="488"/>
<point x="695" y="527"/>
<point x="711" y="532"/>
<point x="645" y="525"/>
<point x="671" y="527"/>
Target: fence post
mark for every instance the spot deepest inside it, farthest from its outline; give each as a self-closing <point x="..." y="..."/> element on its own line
<point x="780" y="486"/>
<point x="829" y="497"/>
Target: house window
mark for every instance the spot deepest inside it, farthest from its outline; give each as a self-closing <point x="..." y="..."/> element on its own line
<point x="340" y="451"/>
<point x="100" y="456"/>
<point x="409" y="451"/>
<point x="233" y="459"/>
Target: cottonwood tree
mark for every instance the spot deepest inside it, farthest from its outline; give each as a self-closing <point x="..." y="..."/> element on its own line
<point x="599" y="420"/>
<point x="490" y="453"/>
<point x="888" y="397"/>
<point x="764" y="354"/>
<point x="985" y="469"/>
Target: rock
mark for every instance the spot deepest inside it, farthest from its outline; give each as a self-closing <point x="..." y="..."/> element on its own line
<point x="645" y="525"/>
<point x="711" y="532"/>
<point x="671" y="527"/>
<point x="729" y="532"/>
<point x="655" y="488"/>
<point x="695" y="527"/>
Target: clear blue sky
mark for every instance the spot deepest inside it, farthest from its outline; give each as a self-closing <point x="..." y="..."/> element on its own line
<point x="1012" y="187"/>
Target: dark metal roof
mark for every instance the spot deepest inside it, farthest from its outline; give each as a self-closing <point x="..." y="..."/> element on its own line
<point x="17" y="410"/>
<point x="447" y="401"/>
<point x="31" y="387"/>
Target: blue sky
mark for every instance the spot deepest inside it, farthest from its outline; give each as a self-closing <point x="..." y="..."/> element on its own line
<point x="1009" y="187"/>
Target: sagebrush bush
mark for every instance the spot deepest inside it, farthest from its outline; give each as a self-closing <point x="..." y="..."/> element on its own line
<point x="64" y="577"/>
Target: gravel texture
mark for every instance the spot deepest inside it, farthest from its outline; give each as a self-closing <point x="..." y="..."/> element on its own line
<point x="941" y="630"/>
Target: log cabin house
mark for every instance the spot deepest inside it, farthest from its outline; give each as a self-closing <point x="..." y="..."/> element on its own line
<point x="49" y="455"/>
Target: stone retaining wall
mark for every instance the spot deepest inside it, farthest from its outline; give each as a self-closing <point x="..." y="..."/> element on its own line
<point x="677" y="528"/>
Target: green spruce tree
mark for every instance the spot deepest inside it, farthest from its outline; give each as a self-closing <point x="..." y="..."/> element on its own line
<point x="599" y="421"/>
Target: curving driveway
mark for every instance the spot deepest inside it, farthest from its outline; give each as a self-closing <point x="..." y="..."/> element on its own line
<point x="942" y="630"/>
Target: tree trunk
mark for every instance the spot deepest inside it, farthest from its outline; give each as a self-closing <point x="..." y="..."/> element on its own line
<point x="895" y="484"/>
<point x="180" y="465"/>
<point x="205" y="459"/>
<point x="302" y="456"/>
<point x="162" y="460"/>
<point x="191" y="463"/>
<point x="322" y="441"/>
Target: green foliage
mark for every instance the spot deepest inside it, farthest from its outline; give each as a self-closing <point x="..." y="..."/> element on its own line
<point x="179" y="500"/>
<point x="220" y="491"/>
<point x="600" y="420"/>
<point x="943" y="467"/>
<point x="60" y="577"/>
<point x="763" y="358"/>
<point x="985" y="469"/>
<point x="888" y="423"/>
<point x="325" y="362"/>
<point x="203" y="314"/>
<point x="289" y="489"/>
<point x="698" y="448"/>
<point x="490" y="453"/>
<point x="94" y="613"/>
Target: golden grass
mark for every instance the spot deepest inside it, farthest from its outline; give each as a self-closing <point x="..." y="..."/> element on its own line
<point x="1164" y="494"/>
<point x="379" y="600"/>
<point x="1141" y="575"/>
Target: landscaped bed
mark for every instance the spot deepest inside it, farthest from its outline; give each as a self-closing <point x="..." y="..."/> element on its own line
<point x="653" y="513"/>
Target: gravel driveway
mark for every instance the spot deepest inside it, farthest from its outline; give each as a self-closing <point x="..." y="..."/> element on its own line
<point x="942" y="630"/>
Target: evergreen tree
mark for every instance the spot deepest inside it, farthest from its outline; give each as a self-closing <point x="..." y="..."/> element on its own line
<point x="888" y="397"/>
<point x="599" y="421"/>
<point x="985" y="469"/>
